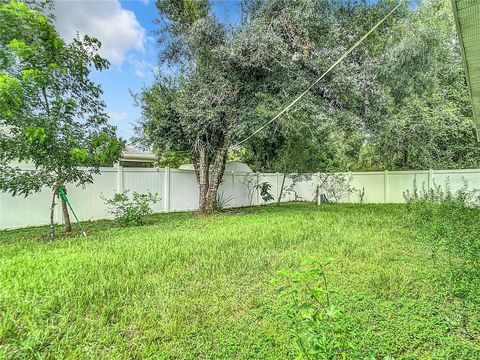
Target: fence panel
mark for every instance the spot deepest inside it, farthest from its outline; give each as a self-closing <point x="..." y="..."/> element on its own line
<point x="19" y="211"/>
<point x="183" y="190"/>
<point x="307" y="188"/>
<point x="245" y="194"/>
<point x="87" y="200"/>
<point x="401" y="181"/>
<point x="374" y="185"/>
<point x="144" y="181"/>
<point x="178" y="190"/>
<point x="455" y="178"/>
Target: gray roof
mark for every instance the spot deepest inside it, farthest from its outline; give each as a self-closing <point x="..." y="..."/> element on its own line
<point x="130" y="153"/>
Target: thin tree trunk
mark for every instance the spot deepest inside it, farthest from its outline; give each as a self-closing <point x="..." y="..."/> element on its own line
<point x="405" y="156"/>
<point x="66" y="215"/>
<point x="216" y="178"/>
<point x="281" y="189"/>
<point x="52" y="217"/>
<point x="203" y="180"/>
<point x="285" y="172"/>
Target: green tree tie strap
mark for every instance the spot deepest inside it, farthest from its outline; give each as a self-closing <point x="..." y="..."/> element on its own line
<point x="63" y="195"/>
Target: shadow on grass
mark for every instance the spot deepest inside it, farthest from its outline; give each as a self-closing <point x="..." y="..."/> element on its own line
<point x="178" y="219"/>
<point x="92" y="228"/>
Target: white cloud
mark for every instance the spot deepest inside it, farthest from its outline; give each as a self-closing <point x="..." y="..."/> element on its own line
<point x="141" y="67"/>
<point x="118" y="29"/>
<point x="118" y="116"/>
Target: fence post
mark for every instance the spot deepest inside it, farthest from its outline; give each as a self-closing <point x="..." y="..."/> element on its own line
<point x="385" y="187"/>
<point x="318" y="189"/>
<point x="167" y="189"/>
<point x="120" y="187"/>
<point x="430" y="179"/>
<point x="233" y="188"/>
<point x="349" y="197"/>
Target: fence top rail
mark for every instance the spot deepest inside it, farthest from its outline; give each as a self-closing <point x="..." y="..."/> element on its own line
<point x="28" y="167"/>
<point x="31" y="167"/>
<point x="457" y="171"/>
<point x="147" y="170"/>
<point x="409" y="172"/>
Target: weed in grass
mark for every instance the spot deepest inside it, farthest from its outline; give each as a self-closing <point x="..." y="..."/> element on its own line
<point x="318" y="324"/>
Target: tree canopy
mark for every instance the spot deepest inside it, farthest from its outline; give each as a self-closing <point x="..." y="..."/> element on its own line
<point x="399" y="101"/>
<point x="51" y="113"/>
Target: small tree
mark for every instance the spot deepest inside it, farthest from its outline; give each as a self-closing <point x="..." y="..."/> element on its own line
<point x="51" y="113"/>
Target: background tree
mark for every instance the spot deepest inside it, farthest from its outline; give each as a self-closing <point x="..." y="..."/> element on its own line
<point x="324" y="131"/>
<point x="400" y="101"/>
<point x="425" y="118"/>
<point x="51" y="113"/>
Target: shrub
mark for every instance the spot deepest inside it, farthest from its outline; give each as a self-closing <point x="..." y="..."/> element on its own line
<point x="131" y="210"/>
<point x="253" y="185"/>
<point x="265" y="193"/>
<point x="334" y="187"/>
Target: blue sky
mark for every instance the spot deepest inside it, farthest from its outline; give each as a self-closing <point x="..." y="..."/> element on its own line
<point x="135" y="72"/>
<point x="125" y="29"/>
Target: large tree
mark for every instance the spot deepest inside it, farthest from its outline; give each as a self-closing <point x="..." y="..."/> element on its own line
<point x="398" y="101"/>
<point x="51" y="113"/>
<point x="209" y="106"/>
<point x="231" y="80"/>
<point x="323" y="132"/>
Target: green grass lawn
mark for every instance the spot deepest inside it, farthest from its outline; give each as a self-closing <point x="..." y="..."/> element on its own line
<point x="191" y="287"/>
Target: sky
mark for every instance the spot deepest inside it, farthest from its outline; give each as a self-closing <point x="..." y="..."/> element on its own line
<point x="125" y="29"/>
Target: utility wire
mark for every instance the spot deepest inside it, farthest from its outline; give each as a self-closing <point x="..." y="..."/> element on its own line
<point x="322" y="76"/>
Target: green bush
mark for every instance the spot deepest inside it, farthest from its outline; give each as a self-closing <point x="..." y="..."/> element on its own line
<point x="450" y="223"/>
<point x="131" y="210"/>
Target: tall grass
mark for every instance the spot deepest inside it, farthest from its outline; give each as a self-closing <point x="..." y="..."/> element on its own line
<point x="450" y="222"/>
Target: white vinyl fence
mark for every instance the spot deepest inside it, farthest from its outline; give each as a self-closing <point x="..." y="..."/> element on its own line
<point x="178" y="191"/>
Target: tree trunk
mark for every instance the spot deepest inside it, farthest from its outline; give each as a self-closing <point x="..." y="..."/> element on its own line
<point x="202" y="170"/>
<point x="66" y="215"/>
<point x="285" y="172"/>
<point x="281" y="189"/>
<point x="52" y="217"/>
<point x="215" y="179"/>
<point x="405" y="156"/>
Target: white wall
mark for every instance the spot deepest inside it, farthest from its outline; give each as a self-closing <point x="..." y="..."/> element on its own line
<point x="178" y="191"/>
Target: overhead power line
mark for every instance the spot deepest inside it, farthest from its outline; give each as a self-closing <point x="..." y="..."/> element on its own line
<point x="353" y="47"/>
